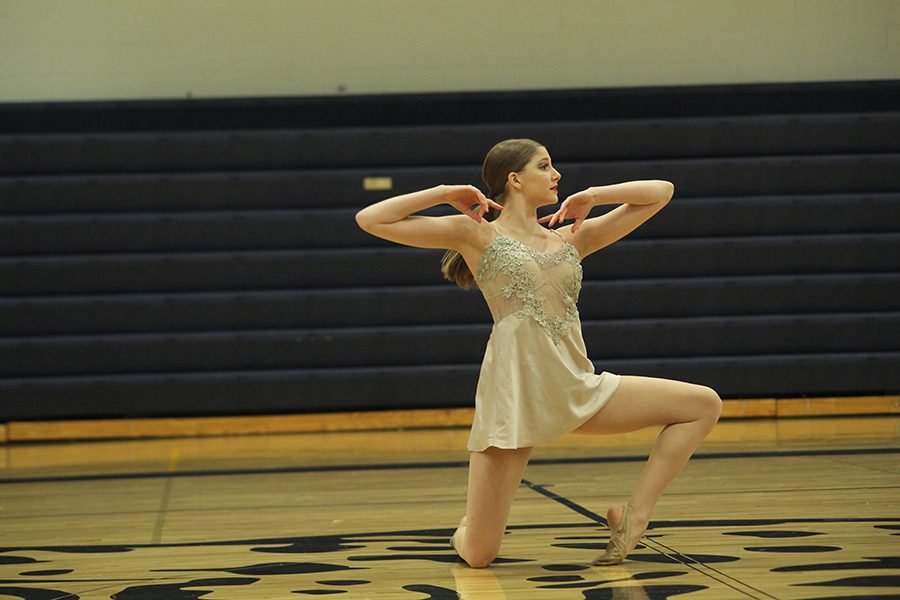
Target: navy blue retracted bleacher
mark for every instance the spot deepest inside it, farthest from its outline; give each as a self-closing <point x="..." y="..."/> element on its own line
<point x="201" y="258"/>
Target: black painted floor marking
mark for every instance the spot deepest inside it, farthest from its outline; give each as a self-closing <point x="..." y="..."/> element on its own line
<point x="280" y="568"/>
<point x="649" y="543"/>
<point x="343" y="582"/>
<point x="176" y="591"/>
<point x="435" y="465"/>
<point x="566" y="502"/>
<point x="342" y="542"/>
<point x="653" y="592"/>
<point x="555" y="578"/>
<point x="798" y="549"/>
<point x="19" y="560"/>
<point x="868" y="562"/>
<point x="436" y="592"/>
<point x="339" y="543"/>
<point x="36" y="593"/>
<point x="773" y="534"/>
<point x="859" y="581"/>
<point x="564" y="568"/>
<point x="316" y="544"/>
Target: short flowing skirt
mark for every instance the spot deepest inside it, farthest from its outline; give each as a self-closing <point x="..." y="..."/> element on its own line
<point x="532" y="390"/>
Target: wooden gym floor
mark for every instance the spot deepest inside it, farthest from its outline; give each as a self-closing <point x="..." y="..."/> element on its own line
<point x="768" y="508"/>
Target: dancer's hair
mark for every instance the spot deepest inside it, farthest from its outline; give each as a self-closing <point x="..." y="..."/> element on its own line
<point x="509" y="156"/>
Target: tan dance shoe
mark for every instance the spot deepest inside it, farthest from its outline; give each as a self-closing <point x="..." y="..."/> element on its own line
<point x="617" y="548"/>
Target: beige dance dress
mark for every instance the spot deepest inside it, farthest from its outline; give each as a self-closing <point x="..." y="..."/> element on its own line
<point x="536" y="382"/>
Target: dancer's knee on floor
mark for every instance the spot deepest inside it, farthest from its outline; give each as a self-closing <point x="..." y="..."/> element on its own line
<point x="479" y="554"/>
<point x="479" y="559"/>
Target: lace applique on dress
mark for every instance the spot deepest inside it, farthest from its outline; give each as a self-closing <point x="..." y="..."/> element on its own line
<point x="541" y="285"/>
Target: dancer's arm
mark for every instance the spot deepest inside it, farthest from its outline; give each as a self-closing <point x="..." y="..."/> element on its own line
<point x="640" y="199"/>
<point x="394" y="219"/>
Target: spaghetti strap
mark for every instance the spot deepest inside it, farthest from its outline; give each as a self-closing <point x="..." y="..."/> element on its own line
<point x="565" y="240"/>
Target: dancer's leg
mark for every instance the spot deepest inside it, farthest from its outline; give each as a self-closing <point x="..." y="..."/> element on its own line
<point x="494" y="477"/>
<point x="688" y="413"/>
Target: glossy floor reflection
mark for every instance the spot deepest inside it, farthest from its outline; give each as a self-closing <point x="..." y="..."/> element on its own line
<point x="767" y="509"/>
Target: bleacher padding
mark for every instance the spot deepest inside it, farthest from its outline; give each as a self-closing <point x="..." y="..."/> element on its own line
<point x="417" y="386"/>
<point x="414" y="345"/>
<point x="300" y="269"/>
<point x="712" y="177"/>
<point x="171" y="258"/>
<point x="420" y="305"/>
<point x="292" y="149"/>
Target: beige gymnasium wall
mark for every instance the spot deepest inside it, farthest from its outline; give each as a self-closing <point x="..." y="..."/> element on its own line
<point x="130" y="49"/>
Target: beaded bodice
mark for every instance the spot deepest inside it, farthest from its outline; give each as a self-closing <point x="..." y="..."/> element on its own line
<point x="518" y="279"/>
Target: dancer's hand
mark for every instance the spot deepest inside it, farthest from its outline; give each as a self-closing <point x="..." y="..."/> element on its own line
<point x="469" y="200"/>
<point x="577" y="206"/>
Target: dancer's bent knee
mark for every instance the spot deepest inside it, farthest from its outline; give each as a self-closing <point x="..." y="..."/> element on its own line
<point x="712" y="403"/>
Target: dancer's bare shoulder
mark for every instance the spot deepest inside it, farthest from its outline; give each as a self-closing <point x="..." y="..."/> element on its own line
<point x="478" y="236"/>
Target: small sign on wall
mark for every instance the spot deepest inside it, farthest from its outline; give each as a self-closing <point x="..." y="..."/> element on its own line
<point x="371" y="184"/>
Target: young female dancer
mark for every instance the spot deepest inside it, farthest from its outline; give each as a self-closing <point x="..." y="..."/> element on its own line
<point x="536" y="382"/>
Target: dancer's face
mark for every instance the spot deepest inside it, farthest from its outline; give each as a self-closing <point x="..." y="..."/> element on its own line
<point x="538" y="180"/>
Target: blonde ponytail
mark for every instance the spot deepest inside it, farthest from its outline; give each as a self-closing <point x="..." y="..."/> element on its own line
<point x="456" y="270"/>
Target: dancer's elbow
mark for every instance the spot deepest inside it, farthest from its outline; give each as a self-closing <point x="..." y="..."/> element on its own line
<point x="667" y="190"/>
<point x="363" y="220"/>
